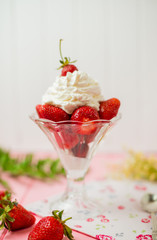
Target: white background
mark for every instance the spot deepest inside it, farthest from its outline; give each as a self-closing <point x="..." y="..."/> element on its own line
<point x="114" y="41"/>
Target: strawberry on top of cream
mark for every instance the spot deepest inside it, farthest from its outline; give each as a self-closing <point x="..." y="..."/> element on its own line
<point x="72" y="91"/>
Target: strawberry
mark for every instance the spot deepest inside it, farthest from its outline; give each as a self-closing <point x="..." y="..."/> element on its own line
<point x="52" y="113"/>
<point x="80" y="150"/>
<point x="85" y="115"/>
<point x="109" y="108"/>
<point x="51" y="228"/>
<point x="66" y="66"/>
<point x="90" y="138"/>
<point x="4" y="195"/>
<point x="14" y="216"/>
<point x="66" y="138"/>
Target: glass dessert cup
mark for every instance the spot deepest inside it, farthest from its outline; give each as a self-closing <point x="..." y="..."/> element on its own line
<point x="75" y="143"/>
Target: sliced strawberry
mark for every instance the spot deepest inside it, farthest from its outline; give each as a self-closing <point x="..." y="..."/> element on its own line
<point x="52" y="113"/>
<point x="109" y="108"/>
<point x="86" y="114"/>
<point x="81" y="150"/>
<point x="68" y="68"/>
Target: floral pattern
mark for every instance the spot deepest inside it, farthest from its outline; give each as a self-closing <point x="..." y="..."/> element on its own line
<point x="78" y="226"/>
<point x="101" y="216"/>
<point x="121" y="207"/>
<point x="140" y="187"/>
<point x="105" y="220"/>
<point x="121" y="216"/>
<point x="144" y="237"/>
<point x="104" y="237"/>
<point x="145" y="220"/>
<point x="90" y="219"/>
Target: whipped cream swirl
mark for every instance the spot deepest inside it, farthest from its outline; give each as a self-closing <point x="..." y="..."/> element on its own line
<point x="72" y="91"/>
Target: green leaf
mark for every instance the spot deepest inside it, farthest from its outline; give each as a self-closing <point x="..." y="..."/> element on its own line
<point x="10" y="219"/>
<point x="1" y="225"/>
<point x="1" y="211"/>
<point x="44" y="168"/>
<point x="60" y="214"/>
<point x="8" y="208"/>
<point x="7" y="224"/>
<point x="68" y="232"/>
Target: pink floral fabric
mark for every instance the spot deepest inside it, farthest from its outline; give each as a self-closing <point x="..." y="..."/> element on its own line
<point x="144" y="237"/>
<point x="104" y="237"/>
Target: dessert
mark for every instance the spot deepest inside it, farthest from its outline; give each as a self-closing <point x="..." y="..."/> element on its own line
<point x="70" y="91"/>
<point x="75" y="96"/>
<point x="75" y="117"/>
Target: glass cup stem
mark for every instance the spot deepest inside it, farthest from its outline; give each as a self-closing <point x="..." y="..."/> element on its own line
<point x="75" y="190"/>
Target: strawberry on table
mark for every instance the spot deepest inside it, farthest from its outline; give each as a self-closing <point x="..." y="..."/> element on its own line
<point x="14" y="216"/>
<point x="66" y="63"/>
<point x="86" y="115"/>
<point x="51" y="228"/>
<point x="109" y="108"/>
<point x="4" y="195"/>
<point x="51" y="113"/>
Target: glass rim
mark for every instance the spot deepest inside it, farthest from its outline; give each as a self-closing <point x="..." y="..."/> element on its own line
<point x="35" y="118"/>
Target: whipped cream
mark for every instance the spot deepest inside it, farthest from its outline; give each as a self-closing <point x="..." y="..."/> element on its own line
<point x="72" y="91"/>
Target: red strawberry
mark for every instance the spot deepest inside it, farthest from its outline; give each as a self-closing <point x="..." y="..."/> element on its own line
<point x="14" y="216"/>
<point x="109" y="108"/>
<point x="4" y="195"/>
<point x="80" y="150"/>
<point x="66" y="138"/>
<point x="65" y="63"/>
<point x="85" y="114"/>
<point x="51" y="228"/>
<point x="68" y="68"/>
<point x="52" y="113"/>
<point x="90" y="138"/>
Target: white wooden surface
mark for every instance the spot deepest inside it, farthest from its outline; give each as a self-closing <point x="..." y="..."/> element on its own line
<point x="115" y="41"/>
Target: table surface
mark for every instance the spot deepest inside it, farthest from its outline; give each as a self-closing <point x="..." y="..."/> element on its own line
<point x="27" y="190"/>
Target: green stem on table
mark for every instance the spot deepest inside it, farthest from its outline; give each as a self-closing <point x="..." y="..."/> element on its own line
<point x="44" y="168"/>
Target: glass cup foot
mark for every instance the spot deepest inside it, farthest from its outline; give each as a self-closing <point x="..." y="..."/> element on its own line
<point x="78" y="208"/>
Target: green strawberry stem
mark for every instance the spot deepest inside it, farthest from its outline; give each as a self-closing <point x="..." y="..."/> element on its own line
<point x="66" y="219"/>
<point x="60" y="51"/>
<point x="67" y="230"/>
<point x="64" y="61"/>
<point x="5" y="219"/>
<point x="7" y="197"/>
